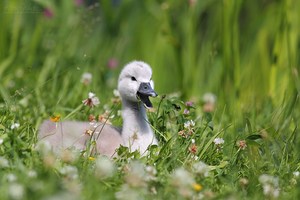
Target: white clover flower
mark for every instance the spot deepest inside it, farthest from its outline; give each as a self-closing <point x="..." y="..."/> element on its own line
<point x="86" y="78"/>
<point x="268" y="179"/>
<point x="14" y="126"/>
<point x="11" y="177"/>
<point x="32" y="174"/>
<point x="116" y="93"/>
<point x="270" y="190"/>
<point x="136" y="176"/>
<point x="151" y="173"/>
<point x="92" y="100"/>
<point x="276" y="193"/>
<point x="189" y="124"/>
<point x="193" y="141"/>
<point x="219" y="141"/>
<point x="91" y="95"/>
<point x="16" y="191"/>
<point x="296" y="174"/>
<point x="182" y="177"/>
<point x="209" y="98"/>
<point x="69" y="171"/>
<point x="104" y="167"/>
<point x="183" y="181"/>
<point x="201" y="168"/>
<point x="3" y="162"/>
<point x="270" y="185"/>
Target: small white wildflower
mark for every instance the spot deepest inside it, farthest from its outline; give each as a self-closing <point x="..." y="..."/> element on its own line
<point x="183" y="181"/>
<point x="268" y="179"/>
<point x="92" y="100"/>
<point x="116" y="93"/>
<point x="193" y="141"/>
<point x="91" y="95"/>
<point x="11" y="177"/>
<point x="86" y="78"/>
<point x="201" y="168"/>
<point x="209" y="98"/>
<point x="189" y="124"/>
<point x="69" y="171"/>
<point x="276" y="193"/>
<point x="136" y="176"/>
<point x="267" y="189"/>
<point x="104" y="167"/>
<point x="15" y="126"/>
<point x="270" y="185"/>
<point x="16" y="191"/>
<point x="3" y="162"/>
<point x="219" y="141"/>
<point x="1" y="141"/>
<point x="32" y="174"/>
<point x="296" y="174"/>
<point x="151" y="173"/>
<point x="270" y="190"/>
<point x="182" y="177"/>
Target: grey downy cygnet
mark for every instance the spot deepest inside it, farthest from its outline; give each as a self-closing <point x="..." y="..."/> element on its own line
<point x="135" y="87"/>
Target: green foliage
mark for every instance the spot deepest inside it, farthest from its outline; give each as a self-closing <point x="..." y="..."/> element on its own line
<point x="244" y="52"/>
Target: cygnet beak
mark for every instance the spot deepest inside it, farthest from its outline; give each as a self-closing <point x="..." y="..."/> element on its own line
<point x="145" y="90"/>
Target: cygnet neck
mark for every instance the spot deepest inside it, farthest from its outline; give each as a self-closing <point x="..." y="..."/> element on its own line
<point x="136" y="132"/>
<point x="134" y="114"/>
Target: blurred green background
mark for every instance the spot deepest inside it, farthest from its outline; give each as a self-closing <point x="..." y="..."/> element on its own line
<point x="246" y="52"/>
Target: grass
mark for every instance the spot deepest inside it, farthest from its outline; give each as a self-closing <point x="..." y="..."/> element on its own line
<point x="244" y="52"/>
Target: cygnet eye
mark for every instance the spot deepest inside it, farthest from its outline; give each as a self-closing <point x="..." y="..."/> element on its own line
<point x="133" y="78"/>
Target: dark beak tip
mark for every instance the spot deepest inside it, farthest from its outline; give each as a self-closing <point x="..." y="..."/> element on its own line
<point x="154" y="94"/>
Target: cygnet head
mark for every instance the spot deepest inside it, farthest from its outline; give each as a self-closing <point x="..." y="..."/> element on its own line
<point x="135" y="83"/>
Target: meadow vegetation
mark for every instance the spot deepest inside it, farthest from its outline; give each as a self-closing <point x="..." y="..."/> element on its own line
<point x="227" y="116"/>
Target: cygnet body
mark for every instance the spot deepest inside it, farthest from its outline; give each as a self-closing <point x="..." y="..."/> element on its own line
<point x="135" y="86"/>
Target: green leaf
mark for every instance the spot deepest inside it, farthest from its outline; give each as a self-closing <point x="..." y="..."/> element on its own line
<point x="254" y="137"/>
<point x="253" y="143"/>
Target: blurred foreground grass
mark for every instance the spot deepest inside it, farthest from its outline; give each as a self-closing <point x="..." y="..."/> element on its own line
<point x="244" y="52"/>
